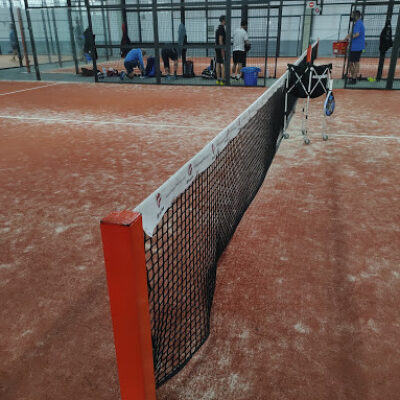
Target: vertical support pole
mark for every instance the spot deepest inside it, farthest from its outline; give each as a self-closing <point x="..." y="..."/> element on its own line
<point x="298" y="49"/>
<point x="71" y="35"/>
<point x="124" y="16"/>
<point x="173" y="27"/>
<point x="109" y="32"/>
<point x="156" y="41"/>
<point x="46" y="36"/>
<point x="228" y="41"/>
<point x="50" y="33"/>
<point x="307" y="22"/>
<point x="21" y="27"/>
<point x="103" y="17"/>
<point x="267" y="46"/>
<point x="139" y="23"/>
<point x="394" y="57"/>
<point x="15" y="32"/>
<point x="207" y="24"/>
<point x="89" y="16"/>
<point x="278" y="41"/>
<point x="53" y="14"/>
<point x="182" y="19"/>
<point x="389" y="15"/>
<point x="183" y="10"/>
<point x="80" y="12"/>
<point x="346" y="65"/>
<point x="123" y="246"/>
<point x="245" y="10"/>
<point x="32" y="39"/>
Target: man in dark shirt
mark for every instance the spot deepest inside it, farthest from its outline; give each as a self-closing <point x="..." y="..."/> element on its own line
<point x="220" y="39"/>
<point x="13" y="42"/>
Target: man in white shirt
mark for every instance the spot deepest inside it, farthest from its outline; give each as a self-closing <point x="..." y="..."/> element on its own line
<point x="240" y="39"/>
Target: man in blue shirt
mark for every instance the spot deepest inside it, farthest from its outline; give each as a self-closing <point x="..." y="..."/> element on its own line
<point x="357" y="46"/>
<point x="134" y="59"/>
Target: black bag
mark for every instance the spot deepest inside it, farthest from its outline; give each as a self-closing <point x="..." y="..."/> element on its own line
<point x="87" y="72"/>
<point x="386" y="41"/>
<point x="188" y="71"/>
<point x="209" y="72"/>
<point x="125" y="42"/>
<point x="150" y="67"/>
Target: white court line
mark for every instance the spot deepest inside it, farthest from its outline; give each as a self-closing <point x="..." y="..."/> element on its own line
<point x="365" y="136"/>
<point x="97" y="122"/>
<point x="352" y="136"/>
<point x="33" y="88"/>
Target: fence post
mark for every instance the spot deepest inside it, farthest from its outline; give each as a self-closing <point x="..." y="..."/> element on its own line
<point x="30" y="30"/>
<point x="53" y="14"/>
<point x="395" y="55"/>
<point x="278" y="42"/>
<point x="46" y="37"/>
<point x="103" y="17"/>
<point x="123" y="246"/>
<point x="94" y="52"/>
<point x="228" y="42"/>
<point x="389" y="15"/>
<point x="71" y="35"/>
<point x="21" y="27"/>
<point x="156" y="41"/>
<point x="14" y="27"/>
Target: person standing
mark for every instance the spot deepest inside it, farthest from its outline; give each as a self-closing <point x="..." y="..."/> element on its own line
<point x="240" y="40"/>
<point x="170" y="54"/>
<point x="13" y="43"/>
<point x="79" y="39"/>
<point x="357" y="46"/>
<point x="182" y="40"/>
<point x="220" y="39"/>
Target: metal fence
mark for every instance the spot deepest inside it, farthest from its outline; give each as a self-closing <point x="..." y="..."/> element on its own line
<point x="50" y="35"/>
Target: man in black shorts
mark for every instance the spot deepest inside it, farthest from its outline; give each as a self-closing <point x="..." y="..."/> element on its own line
<point x="357" y="46"/>
<point x="166" y="55"/>
<point x="220" y="39"/>
<point x="240" y="41"/>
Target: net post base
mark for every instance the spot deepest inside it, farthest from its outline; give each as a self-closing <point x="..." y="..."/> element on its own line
<point x="123" y="246"/>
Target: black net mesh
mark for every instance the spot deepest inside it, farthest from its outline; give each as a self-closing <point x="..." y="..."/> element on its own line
<point x="182" y="254"/>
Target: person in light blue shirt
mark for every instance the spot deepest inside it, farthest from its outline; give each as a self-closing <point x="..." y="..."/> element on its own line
<point x="357" y="46"/>
<point x="134" y="59"/>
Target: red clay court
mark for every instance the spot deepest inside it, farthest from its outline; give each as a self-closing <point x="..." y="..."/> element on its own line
<point x="306" y="300"/>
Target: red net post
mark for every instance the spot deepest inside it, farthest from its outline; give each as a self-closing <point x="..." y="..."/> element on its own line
<point x="123" y="246"/>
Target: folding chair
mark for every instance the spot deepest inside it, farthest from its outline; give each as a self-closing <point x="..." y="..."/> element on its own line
<point x="307" y="81"/>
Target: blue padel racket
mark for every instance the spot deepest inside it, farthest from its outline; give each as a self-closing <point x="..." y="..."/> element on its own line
<point x="329" y="105"/>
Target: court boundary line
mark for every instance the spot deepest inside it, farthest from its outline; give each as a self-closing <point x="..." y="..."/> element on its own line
<point x="168" y="126"/>
<point x="363" y="136"/>
<point x="350" y="135"/>
<point x="32" y="88"/>
<point x="96" y="122"/>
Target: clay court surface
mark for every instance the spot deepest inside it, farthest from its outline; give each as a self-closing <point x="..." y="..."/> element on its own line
<point x="306" y="302"/>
